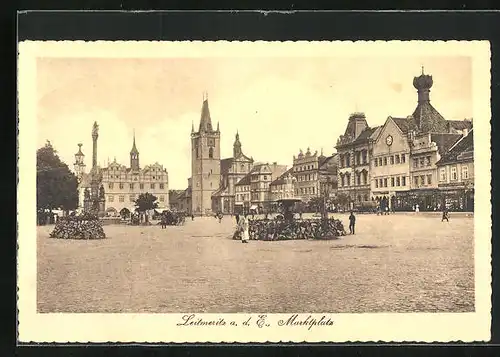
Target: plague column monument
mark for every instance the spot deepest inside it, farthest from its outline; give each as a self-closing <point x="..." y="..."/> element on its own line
<point x="94" y="200"/>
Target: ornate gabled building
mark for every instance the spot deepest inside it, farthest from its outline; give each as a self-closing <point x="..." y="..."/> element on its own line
<point x="233" y="169"/>
<point x="405" y="154"/>
<point x="312" y="172"/>
<point x="253" y="190"/>
<point x="354" y="150"/>
<point x="121" y="185"/>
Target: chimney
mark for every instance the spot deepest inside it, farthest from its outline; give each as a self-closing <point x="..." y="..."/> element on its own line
<point x="465" y="132"/>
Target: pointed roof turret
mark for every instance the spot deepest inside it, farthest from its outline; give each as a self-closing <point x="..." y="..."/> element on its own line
<point x="192" y="127"/>
<point x="205" y="120"/>
<point x="237" y="145"/>
<point x="79" y="153"/>
<point x="134" y="148"/>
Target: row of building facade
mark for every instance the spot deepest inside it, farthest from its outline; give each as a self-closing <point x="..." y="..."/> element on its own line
<point x="420" y="159"/>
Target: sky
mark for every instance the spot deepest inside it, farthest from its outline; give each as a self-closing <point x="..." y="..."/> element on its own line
<point x="278" y="105"/>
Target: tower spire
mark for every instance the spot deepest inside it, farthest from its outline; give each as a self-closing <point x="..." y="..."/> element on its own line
<point x="205" y="120"/>
<point x="134" y="156"/>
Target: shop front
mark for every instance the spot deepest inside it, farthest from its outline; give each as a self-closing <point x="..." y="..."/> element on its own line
<point x="426" y="199"/>
<point x="459" y="197"/>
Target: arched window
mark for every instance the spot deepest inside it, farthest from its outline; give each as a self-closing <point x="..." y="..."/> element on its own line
<point x="211" y="153"/>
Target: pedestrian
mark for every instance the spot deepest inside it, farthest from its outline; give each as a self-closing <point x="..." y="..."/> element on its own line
<point x="244" y="229"/>
<point x="220" y="217"/>
<point x="237" y="218"/>
<point x="445" y="215"/>
<point x="352" y="222"/>
<point x="192" y="217"/>
<point x="417" y="209"/>
<point x="386" y="210"/>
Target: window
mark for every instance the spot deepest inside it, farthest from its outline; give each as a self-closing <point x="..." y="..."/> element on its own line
<point x="131" y="186"/>
<point x="415" y="180"/>
<point x="365" y="159"/>
<point x="428" y="161"/>
<point x="121" y="186"/>
<point x="211" y="153"/>
<point x="365" y="177"/>
<point x="385" y="161"/>
<point x="111" y="198"/>
<point x="376" y="162"/>
<point x="141" y="186"/>
<point x="313" y="190"/>
<point x="392" y="181"/>
<point x="385" y="182"/>
<point x="162" y="198"/>
<point x="465" y="172"/>
<point x="397" y="159"/>
<point x="358" y="179"/>
<point x="162" y="186"/>
<point x="422" y="180"/>
<point x="301" y="191"/>
<point x="403" y="158"/>
<point x="429" y="179"/>
<point x="415" y="163"/>
<point x="132" y="198"/>
<point x="110" y="185"/>
<point x="442" y="174"/>
<point x="403" y="181"/>
<point x="121" y="198"/>
<point x="453" y="172"/>
<point x="347" y="161"/>
<point x="392" y="160"/>
<point x="398" y="181"/>
<point x="381" y="183"/>
<point x="422" y="162"/>
<point x="152" y="186"/>
<point x="376" y="183"/>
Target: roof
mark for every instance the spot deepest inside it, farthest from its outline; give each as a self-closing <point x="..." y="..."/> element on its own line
<point x="225" y="164"/>
<point x="402" y="123"/>
<point x="134" y="148"/>
<point x="427" y="119"/>
<point x="460" y="124"/>
<point x="79" y="153"/>
<point x="445" y="141"/>
<point x="205" y="120"/>
<point x="281" y="179"/>
<point x="329" y="164"/>
<point x="244" y="181"/>
<point x="365" y="135"/>
<point x="463" y="145"/>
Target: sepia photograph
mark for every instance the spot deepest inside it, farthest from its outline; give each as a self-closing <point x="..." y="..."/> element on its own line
<point x="207" y="180"/>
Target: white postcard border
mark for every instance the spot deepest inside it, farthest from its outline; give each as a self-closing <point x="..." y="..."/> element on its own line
<point x="396" y="327"/>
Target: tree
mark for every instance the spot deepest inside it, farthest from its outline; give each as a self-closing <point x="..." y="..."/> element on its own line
<point x="315" y="204"/>
<point x="56" y="185"/>
<point x="146" y="202"/>
<point x="342" y="200"/>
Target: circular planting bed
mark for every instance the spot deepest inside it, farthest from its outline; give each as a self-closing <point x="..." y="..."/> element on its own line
<point x="78" y="227"/>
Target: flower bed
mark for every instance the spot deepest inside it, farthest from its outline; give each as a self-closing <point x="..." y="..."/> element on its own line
<point x="78" y="227"/>
<point x="277" y="229"/>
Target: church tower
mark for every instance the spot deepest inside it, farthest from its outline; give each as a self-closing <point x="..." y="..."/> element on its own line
<point x="134" y="157"/>
<point x="205" y="162"/>
<point x="79" y="165"/>
<point x="237" y="146"/>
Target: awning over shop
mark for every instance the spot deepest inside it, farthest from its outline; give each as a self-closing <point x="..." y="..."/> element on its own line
<point x="253" y="207"/>
<point x="238" y="203"/>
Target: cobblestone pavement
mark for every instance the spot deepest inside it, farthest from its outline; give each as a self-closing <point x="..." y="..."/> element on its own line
<point x="396" y="263"/>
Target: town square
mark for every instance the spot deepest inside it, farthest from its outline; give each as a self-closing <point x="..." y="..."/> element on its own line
<point x="394" y="263"/>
